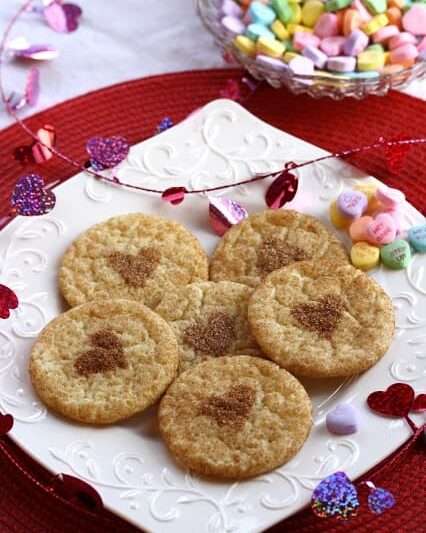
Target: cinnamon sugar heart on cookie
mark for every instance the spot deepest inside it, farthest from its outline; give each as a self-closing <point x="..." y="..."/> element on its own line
<point x="6" y="424"/>
<point x="8" y="300"/>
<point x="396" y="400"/>
<point x="382" y="230"/>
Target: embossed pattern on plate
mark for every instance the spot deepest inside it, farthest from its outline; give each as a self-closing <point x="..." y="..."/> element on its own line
<point x="128" y="463"/>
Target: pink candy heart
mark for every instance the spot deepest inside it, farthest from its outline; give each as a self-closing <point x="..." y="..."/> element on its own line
<point x="414" y="20"/>
<point x="382" y="230"/>
<point x="389" y="197"/>
<point x="352" y="204"/>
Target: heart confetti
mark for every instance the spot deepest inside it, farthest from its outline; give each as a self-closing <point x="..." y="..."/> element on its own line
<point x="395" y="155"/>
<point x="379" y="500"/>
<point x="282" y="190"/>
<point x="21" y="48"/>
<point x="174" y="195"/>
<point x="76" y="490"/>
<point x="419" y="404"/>
<point x="397" y="400"/>
<point x="62" y="18"/>
<point x="224" y="213"/>
<point x="164" y="125"/>
<point x="32" y="88"/>
<point x="335" y="496"/>
<point x="30" y="198"/>
<point x="8" y="300"/>
<point x="6" y="424"/>
<point x="38" y="151"/>
<point x="30" y="97"/>
<point x="107" y="152"/>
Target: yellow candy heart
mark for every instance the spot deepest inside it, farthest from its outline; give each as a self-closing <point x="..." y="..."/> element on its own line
<point x="365" y="256"/>
<point x="337" y="219"/>
<point x="369" y="189"/>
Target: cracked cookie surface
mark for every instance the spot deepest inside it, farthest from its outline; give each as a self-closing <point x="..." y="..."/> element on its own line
<point x="209" y="320"/>
<point x="235" y="417"/>
<point x="270" y="240"/>
<point x="319" y="319"/>
<point x="136" y="256"/>
<point x="104" y="361"/>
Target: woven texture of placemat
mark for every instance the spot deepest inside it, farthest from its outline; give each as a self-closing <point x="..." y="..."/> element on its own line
<point x="133" y="110"/>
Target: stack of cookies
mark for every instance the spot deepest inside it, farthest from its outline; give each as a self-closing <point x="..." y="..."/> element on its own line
<point x="220" y="345"/>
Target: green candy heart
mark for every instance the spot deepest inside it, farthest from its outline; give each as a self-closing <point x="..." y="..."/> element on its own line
<point x="335" y="5"/>
<point x="376" y="6"/>
<point x="396" y="255"/>
<point x="283" y="10"/>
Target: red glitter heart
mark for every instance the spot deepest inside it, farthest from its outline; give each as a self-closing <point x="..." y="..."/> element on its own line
<point x="282" y="190"/>
<point x="8" y="300"/>
<point x="76" y="490"/>
<point x="395" y="155"/>
<point x="419" y="403"/>
<point x="397" y="400"/>
<point x="6" y="424"/>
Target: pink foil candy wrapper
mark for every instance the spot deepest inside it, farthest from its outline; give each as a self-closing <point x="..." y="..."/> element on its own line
<point x="21" y="48"/>
<point x="62" y="18"/>
<point x="224" y="213"/>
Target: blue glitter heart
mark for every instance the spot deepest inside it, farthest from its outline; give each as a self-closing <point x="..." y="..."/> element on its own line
<point x="379" y="500"/>
<point x="335" y="496"/>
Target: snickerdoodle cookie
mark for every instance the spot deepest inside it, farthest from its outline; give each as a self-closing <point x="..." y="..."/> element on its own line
<point x="136" y="256"/>
<point x="235" y="417"/>
<point x="320" y="319"/>
<point x="104" y="361"/>
<point x="269" y="240"/>
<point x="209" y="320"/>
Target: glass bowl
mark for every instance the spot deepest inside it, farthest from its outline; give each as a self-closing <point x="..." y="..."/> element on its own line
<point x="316" y="86"/>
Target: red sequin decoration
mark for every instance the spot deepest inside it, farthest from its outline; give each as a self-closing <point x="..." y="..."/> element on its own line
<point x="397" y="400"/>
<point x="395" y="155"/>
<point x="6" y="424"/>
<point x="8" y="300"/>
<point x="174" y="195"/>
<point x="77" y="490"/>
<point x="419" y="403"/>
<point x="282" y="190"/>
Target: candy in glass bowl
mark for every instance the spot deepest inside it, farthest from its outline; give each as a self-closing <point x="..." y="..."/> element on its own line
<point x="337" y="48"/>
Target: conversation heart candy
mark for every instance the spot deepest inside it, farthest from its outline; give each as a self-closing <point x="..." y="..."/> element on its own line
<point x="369" y="189"/>
<point x="342" y="420"/>
<point x="337" y="219"/>
<point x="389" y="197"/>
<point x="365" y="256"/>
<point x="357" y="230"/>
<point x="352" y="204"/>
<point x="417" y="238"/>
<point x="382" y="230"/>
<point x="396" y="255"/>
<point x="414" y="20"/>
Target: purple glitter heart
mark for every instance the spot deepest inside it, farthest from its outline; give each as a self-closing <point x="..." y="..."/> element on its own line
<point x="107" y="152"/>
<point x="379" y="500"/>
<point x="30" y="198"/>
<point x="335" y="496"/>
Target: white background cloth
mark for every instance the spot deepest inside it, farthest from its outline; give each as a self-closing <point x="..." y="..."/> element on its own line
<point x="117" y="40"/>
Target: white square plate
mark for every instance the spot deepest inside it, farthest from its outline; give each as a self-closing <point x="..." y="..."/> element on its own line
<point x="127" y="463"/>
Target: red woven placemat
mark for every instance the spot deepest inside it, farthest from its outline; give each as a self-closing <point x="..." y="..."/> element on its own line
<point x="133" y="110"/>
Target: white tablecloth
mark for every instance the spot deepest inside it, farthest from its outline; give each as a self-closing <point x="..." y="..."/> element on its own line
<point x="117" y="40"/>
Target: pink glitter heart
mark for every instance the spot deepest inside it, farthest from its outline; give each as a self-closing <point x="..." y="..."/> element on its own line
<point x="107" y="152"/>
<point x="30" y="198"/>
